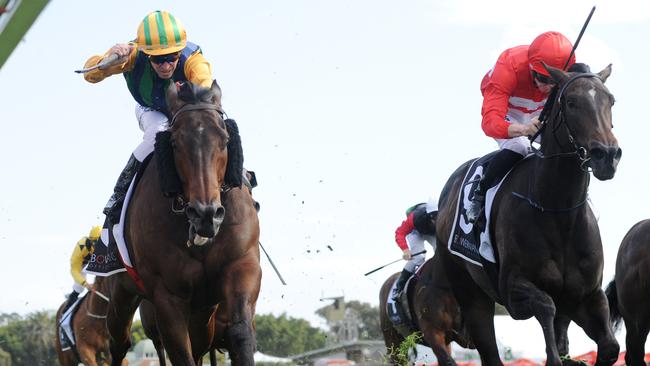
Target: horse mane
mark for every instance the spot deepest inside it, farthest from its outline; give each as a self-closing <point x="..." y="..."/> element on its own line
<point x="235" y="166"/>
<point x="195" y="93"/>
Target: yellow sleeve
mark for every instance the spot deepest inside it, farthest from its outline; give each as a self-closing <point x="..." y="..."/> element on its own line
<point x="98" y="75"/>
<point x="76" y="261"/>
<point x="198" y="70"/>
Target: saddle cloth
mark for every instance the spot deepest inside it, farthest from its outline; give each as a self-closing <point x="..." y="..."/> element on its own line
<point x="66" y="335"/>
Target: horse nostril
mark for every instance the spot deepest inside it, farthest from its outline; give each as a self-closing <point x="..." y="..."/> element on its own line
<point x="220" y="213"/>
<point x="597" y="153"/>
<point x="619" y="153"/>
<point x="191" y="213"/>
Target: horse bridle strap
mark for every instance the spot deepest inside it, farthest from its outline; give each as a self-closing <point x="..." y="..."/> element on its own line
<point x="195" y="107"/>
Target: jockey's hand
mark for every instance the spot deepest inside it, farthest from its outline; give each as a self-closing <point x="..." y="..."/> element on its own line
<point x="89" y="286"/>
<point x="523" y="129"/>
<point x="122" y="49"/>
<point x="406" y="254"/>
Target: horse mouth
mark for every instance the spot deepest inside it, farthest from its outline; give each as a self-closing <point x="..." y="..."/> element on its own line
<point x="604" y="161"/>
<point x="200" y="238"/>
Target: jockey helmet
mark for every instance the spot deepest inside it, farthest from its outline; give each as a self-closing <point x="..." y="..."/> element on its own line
<point x="160" y="33"/>
<point x="553" y="49"/>
<point x="95" y="232"/>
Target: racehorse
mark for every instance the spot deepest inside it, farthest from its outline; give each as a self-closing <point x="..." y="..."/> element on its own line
<point x="89" y="328"/>
<point x="628" y="291"/>
<point x="436" y="312"/>
<point x="545" y="235"/>
<point x="217" y="263"/>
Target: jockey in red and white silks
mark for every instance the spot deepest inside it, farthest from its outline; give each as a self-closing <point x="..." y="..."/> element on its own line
<point x="514" y="94"/>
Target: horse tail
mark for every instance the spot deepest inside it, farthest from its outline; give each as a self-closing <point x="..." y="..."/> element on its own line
<point x="235" y="167"/>
<point x="615" y="316"/>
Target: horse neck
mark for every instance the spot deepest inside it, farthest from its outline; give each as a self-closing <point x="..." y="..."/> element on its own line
<point x="558" y="178"/>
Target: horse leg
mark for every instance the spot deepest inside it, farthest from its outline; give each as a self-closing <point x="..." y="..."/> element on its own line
<point x="526" y="300"/>
<point x="436" y="339"/>
<point x="121" y="308"/>
<point x="561" y="324"/>
<point x="241" y="287"/>
<point x="172" y="319"/>
<point x="635" y="343"/>
<point x="593" y="316"/>
<point x="478" y="312"/>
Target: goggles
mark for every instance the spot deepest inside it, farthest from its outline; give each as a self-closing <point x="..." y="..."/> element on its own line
<point x="161" y="59"/>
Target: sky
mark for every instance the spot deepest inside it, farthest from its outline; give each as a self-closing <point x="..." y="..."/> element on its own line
<point x="349" y="112"/>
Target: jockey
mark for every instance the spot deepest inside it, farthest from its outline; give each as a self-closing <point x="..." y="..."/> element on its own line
<point x="82" y="252"/>
<point x="514" y="94"/>
<point x="160" y="56"/>
<point x="420" y="225"/>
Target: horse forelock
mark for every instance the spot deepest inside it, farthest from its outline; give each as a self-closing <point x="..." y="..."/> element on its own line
<point x="195" y="93"/>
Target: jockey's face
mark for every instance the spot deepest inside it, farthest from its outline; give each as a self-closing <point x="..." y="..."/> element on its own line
<point x="164" y="65"/>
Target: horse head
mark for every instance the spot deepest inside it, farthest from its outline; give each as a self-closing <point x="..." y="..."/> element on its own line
<point x="583" y="104"/>
<point x="201" y="141"/>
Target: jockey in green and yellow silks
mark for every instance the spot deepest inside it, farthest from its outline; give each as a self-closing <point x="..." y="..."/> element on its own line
<point x="160" y="56"/>
<point x="82" y="252"/>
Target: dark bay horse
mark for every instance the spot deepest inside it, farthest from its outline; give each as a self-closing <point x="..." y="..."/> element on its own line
<point x="217" y="263"/>
<point x="628" y="292"/>
<point x="548" y="244"/>
<point x="437" y="314"/>
<point x="89" y="328"/>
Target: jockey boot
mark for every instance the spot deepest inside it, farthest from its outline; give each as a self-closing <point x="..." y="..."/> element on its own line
<point x="114" y="205"/>
<point x="71" y="299"/>
<point x="401" y="281"/>
<point x="498" y="167"/>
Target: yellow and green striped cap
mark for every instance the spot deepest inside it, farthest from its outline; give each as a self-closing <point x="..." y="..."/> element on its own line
<point x="161" y="33"/>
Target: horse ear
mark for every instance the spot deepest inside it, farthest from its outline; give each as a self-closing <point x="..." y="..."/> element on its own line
<point x="558" y="75"/>
<point x="172" y="97"/>
<point x="604" y="74"/>
<point x="216" y="91"/>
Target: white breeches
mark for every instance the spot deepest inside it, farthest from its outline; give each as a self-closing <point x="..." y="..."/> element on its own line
<point x="151" y="122"/>
<point x="521" y="144"/>
<point x="415" y="242"/>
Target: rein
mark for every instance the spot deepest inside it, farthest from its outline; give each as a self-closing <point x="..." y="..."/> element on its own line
<point x="103" y="297"/>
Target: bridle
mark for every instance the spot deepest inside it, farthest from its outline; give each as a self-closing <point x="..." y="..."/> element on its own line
<point x="180" y="202"/>
<point x="558" y="115"/>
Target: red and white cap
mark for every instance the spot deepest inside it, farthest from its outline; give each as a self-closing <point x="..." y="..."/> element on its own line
<point x="553" y="49"/>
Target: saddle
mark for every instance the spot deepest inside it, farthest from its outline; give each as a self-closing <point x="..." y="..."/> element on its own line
<point x="66" y="333"/>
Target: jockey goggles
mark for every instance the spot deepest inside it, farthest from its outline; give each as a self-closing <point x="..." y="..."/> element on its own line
<point x="543" y="78"/>
<point x="161" y="59"/>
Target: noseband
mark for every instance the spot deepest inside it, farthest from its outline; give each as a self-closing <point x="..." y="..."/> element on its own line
<point x="557" y="113"/>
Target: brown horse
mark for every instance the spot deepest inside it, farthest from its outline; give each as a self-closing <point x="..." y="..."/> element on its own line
<point x="548" y="244"/>
<point x="89" y="328"/>
<point x="628" y="292"/>
<point x="436" y="311"/>
<point x="218" y="263"/>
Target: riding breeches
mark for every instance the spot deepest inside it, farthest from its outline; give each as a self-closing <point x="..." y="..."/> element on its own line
<point x="151" y="122"/>
<point x="415" y="242"/>
<point x="520" y="145"/>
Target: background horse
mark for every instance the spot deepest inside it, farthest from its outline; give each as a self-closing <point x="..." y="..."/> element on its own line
<point x="548" y="244"/>
<point x="436" y="312"/>
<point x="628" y="292"/>
<point x="89" y="327"/>
<point x="218" y="263"/>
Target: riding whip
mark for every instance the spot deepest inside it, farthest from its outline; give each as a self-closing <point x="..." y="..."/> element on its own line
<point x="395" y="261"/>
<point x="272" y="264"/>
<point x="108" y="61"/>
<point x="582" y="31"/>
